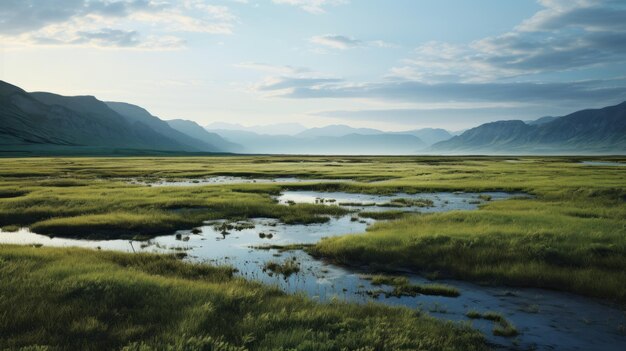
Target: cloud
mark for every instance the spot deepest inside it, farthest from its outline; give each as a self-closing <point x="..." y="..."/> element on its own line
<point x="111" y="38"/>
<point x="273" y="69"/>
<point x="144" y="24"/>
<point x="104" y="37"/>
<point x="565" y="35"/>
<point x="419" y="92"/>
<point x="448" y="117"/>
<point x="290" y="84"/>
<point x="492" y="78"/>
<point x="343" y="42"/>
<point x="311" y="6"/>
<point x="336" y="41"/>
<point x="22" y="16"/>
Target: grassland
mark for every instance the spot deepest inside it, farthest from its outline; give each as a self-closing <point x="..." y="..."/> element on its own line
<point x="402" y="287"/>
<point x="73" y="299"/>
<point x="571" y="235"/>
<point x="96" y="200"/>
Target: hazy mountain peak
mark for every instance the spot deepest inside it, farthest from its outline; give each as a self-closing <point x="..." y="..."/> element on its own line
<point x="125" y="108"/>
<point x="430" y="135"/>
<point x="194" y="130"/>
<point x="271" y="129"/>
<point x="337" y="130"/>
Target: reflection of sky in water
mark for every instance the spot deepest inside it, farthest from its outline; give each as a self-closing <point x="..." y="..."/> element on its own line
<point x="546" y="320"/>
<point x="441" y="201"/>
<point x="224" y="180"/>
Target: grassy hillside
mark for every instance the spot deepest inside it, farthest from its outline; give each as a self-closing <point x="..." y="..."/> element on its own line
<point x="72" y="299"/>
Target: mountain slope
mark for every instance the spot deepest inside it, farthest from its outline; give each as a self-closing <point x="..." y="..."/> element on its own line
<point x="135" y="114"/>
<point x="119" y="131"/>
<point x="195" y="131"/>
<point x="27" y="121"/>
<point x="46" y="122"/>
<point x="588" y="131"/>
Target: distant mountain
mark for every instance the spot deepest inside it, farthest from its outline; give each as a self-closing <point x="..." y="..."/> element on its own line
<point x="138" y="115"/>
<point x="271" y="129"/>
<point x="337" y="130"/>
<point x="430" y="135"/>
<point x="351" y="144"/>
<point x="46" y="122"/>
<point x="195" y="131"/>
<point x="583" y="132"/>
<point x="458" y="132"/>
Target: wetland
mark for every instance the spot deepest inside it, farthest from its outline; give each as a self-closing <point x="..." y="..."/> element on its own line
<point x="509" y="255"/>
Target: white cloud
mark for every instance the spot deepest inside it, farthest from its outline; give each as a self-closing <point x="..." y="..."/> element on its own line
<point x="311" y="6"/>
<point x="343" y="42"/>
<point x="273" y="69"/>
<point x="565" y="35"/>
<point x="139" y="24"/>
<point x="336" y="41"/>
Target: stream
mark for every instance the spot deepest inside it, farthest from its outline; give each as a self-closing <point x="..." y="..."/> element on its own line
<point x="545" y="320"/>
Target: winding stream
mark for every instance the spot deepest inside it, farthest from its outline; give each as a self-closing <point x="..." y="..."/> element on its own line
<point x="546" y="320"/>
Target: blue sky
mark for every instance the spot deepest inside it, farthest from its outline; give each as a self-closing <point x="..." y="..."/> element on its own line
<point x="391" y="65"/>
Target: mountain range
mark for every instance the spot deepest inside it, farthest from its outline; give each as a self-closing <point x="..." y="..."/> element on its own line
<point x="592" y="131"/>
<point x="335" y="140"/>
<point x="271" y="129"/>
<point x="47" y="123"/>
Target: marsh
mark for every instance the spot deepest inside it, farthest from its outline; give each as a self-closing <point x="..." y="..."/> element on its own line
<point x="450" y="225"/>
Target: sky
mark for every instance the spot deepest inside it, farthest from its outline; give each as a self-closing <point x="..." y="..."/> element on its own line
<point x="392" y="65"/>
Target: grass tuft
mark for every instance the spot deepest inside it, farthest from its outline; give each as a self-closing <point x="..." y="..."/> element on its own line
<point x="112" y="301"/>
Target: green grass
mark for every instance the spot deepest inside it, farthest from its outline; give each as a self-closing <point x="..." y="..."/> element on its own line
<point x="285" y="268"/>
<point x="502" y="326"/>
<point x="402" y="202"/>
<point x="382" y="215"/>
<point x="73" y="299"/>
<point x="402" y="287"/>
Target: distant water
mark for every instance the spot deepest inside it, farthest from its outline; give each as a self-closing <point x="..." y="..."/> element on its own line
<point x="604" y="163"/>
<point x="225" y="180"/>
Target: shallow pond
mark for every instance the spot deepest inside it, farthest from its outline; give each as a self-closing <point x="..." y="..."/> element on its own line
<point x="420" y="202"/>
<point x="225" y="180"/>
<point x="604" y="163"/>
<point x="545" y="320"/>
